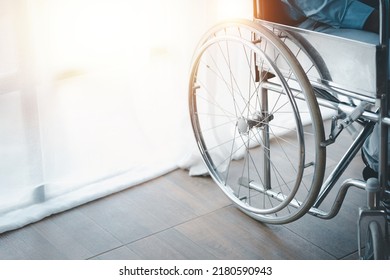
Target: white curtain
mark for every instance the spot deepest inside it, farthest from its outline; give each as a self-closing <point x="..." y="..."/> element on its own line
<point x="93" y="97"/>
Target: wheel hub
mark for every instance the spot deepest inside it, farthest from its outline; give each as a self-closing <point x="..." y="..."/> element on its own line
<point x="258" y="120"/>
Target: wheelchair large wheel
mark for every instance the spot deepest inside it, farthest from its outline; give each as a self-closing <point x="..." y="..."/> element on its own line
<point x="257" y="122"/>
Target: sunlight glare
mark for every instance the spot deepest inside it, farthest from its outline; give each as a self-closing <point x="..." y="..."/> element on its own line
<point x="228" y="9"/>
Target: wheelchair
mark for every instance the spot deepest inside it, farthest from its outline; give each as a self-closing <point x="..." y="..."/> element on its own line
<point x="260" y="93"/>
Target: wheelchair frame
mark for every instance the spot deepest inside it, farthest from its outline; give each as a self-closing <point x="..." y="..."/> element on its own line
<point x="366" y="105"/>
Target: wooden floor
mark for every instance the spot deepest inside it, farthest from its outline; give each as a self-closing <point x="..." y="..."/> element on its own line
<point x="182" y="217"/>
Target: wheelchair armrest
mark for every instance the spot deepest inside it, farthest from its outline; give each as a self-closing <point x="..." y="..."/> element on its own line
<point x="277" y="12"/>
<point x="383" y="63"/>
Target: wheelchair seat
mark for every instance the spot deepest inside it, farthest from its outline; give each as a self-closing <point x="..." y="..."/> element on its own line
<point x="349" y="56"/>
